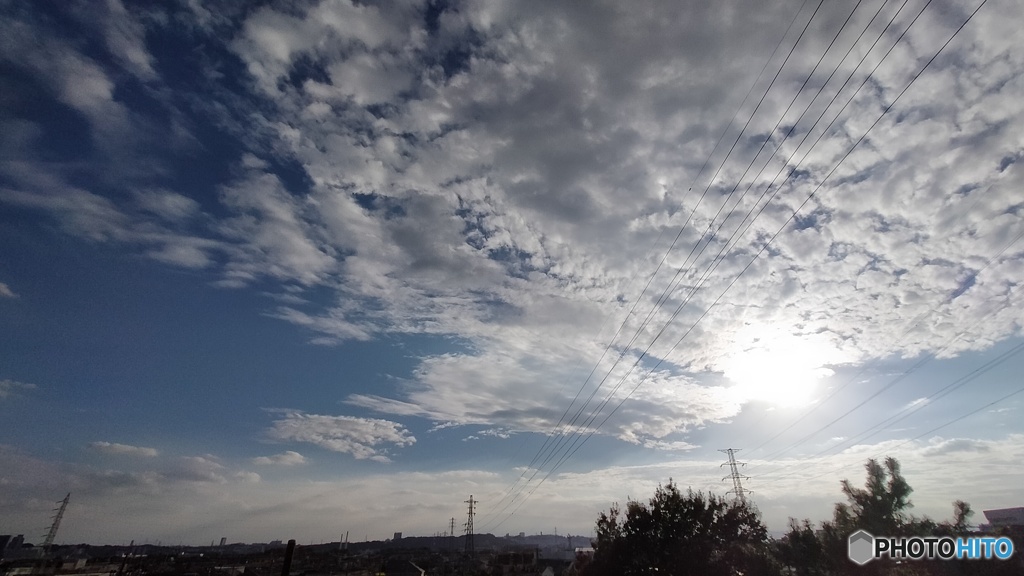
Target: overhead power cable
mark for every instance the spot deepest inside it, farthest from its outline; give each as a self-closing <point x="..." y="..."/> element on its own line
<point x="790" y="219"/>
<point x="689" y="296"/>
<point x="560" y="441"/>
<point x="913" y="368"/>
<point x="577" y="436"/>
<point x="948" y="423"/>
<point x="557" y="431"/>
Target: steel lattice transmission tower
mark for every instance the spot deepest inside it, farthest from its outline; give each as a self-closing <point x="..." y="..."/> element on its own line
<point x="48" y="541"/>
<point x="452" y="537"/>
<point x="469" y="525"/>
<point x="737" y="487"/>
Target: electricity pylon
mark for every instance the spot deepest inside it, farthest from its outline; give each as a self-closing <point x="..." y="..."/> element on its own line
<point x="48" y="541"/>
<point x="469" y="525"/>
<point x="737" y="487"/>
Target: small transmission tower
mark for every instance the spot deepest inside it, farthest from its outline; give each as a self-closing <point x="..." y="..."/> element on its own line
<point x="737" y="487"/>
<point x="469" y="525"/>
<point x="451" y="538"/>
<point x="48" y="541"/>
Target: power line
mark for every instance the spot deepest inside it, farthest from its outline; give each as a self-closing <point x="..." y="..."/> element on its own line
<point x="577" y="443"/>
<point x="790" y="219"/>
<point x="665" y="293"/>
<point x="928" y="401"/>
<point x="932" y="59"/>
<point x="693" y="291"/>
<point x="574" y="447"/>
<point x="902" y="376"/>
<point x="919" y="436"/>
<point x="560" y="435"/>
<point x="793" y="170"/>
<point x="714" y="261"/>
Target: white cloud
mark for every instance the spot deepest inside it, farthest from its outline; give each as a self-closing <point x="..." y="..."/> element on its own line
<point x="676" y="446"/>
<point x="249" y="477"/>
<point x="491" y="432"/>
<point x="474" y="389"/>
<point x="123" y="449"/>
<point x="182" y="252"/>
<point x="6" y="292"/>
<point x="271" y="41"/>
<point x="360" y="437"/>
<point x="167" y="204"/>
<point x="200" y="469"/>
<point x="10" y="387"/>
<point x="938" y="446"/>
<point x="272" y="231"/>
<point x="917" y="402"/>
<point x="126" y="39"/>
<point x="287" y="458"/>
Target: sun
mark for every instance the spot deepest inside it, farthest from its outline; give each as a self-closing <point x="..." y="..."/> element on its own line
<point x="771" y="365"/>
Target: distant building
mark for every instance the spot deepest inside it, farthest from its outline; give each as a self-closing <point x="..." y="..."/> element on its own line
<point x="1005" y="517"/>
<point x="10" y="546"/>
<point x="398" y="536"/>
<point x="223" y="541"/>
<point x="515" y="562"/>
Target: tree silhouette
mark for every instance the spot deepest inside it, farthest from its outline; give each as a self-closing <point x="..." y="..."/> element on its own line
<point x="676" y="534"/>
<point x="881" y="508"/>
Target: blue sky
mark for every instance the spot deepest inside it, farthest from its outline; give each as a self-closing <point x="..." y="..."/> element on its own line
<point x="287" y="270"/>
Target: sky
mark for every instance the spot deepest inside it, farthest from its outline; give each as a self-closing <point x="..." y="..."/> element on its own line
<point x="290" y="270"/>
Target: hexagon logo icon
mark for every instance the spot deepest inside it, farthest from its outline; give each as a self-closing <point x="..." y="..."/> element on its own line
<point x="861" y="547"/>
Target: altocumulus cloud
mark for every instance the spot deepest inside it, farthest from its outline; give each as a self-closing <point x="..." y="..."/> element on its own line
<point x="360" y="437"/>
<point x="510" y="196"/>
<point x="524" y="196"/>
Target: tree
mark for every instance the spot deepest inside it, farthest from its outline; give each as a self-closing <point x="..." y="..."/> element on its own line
<point x="676" y="534"/>
<point x="961" y="518"/>
<point x="802" y="550"/>
<point x="881" y="508"/>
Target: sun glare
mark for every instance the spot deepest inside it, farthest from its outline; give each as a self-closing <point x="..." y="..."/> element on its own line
<point x="773" y="366"/>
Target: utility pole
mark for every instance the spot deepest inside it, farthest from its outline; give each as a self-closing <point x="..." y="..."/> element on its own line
<point x="469" y="525"/>
<point x="737" y="487"/>
<point x="48" y="541"/>
<point x="288" y="553"/>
